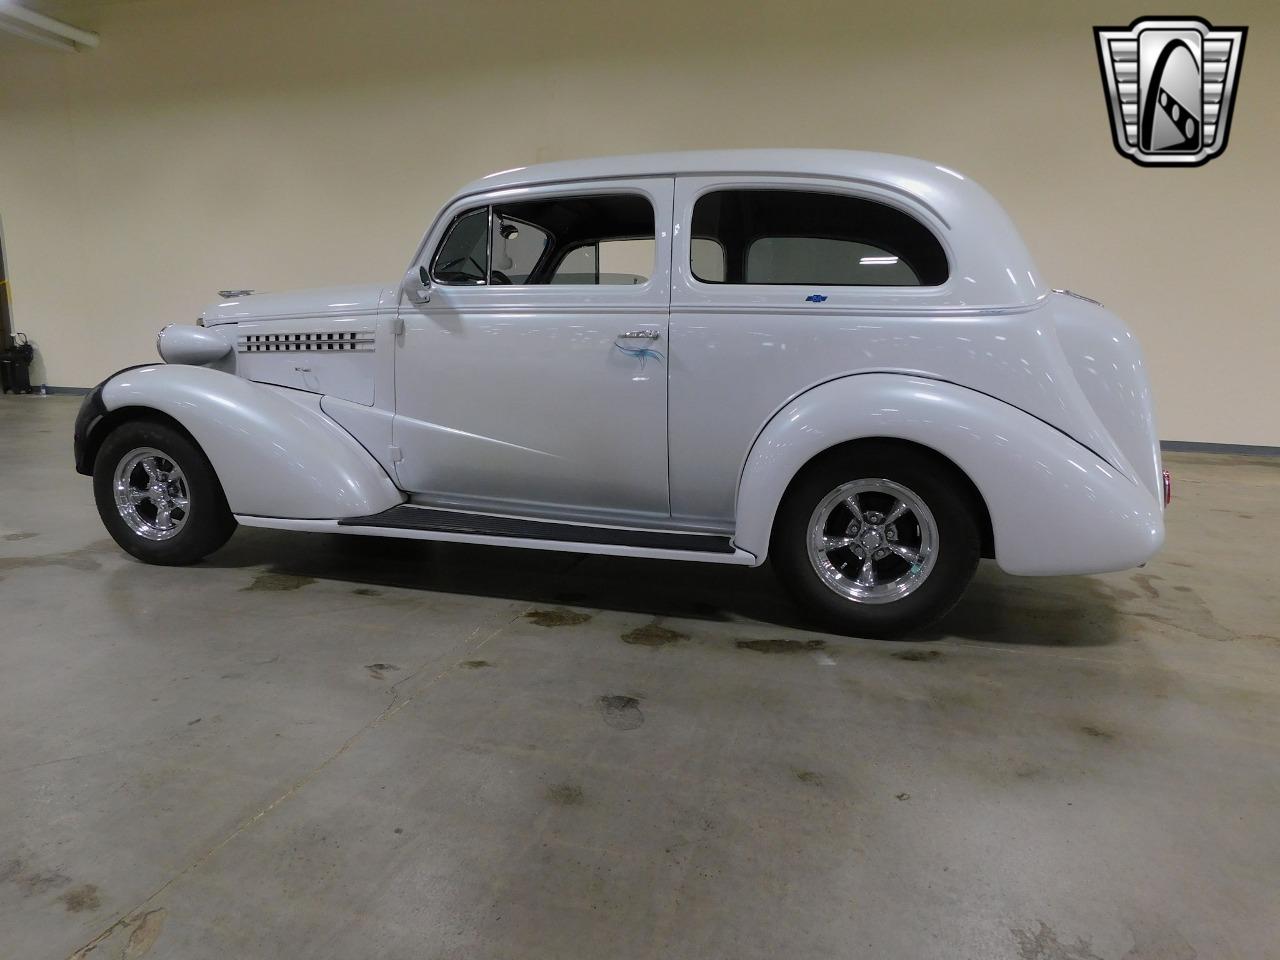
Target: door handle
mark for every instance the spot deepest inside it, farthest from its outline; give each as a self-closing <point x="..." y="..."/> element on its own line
<point x="639" y="335"/>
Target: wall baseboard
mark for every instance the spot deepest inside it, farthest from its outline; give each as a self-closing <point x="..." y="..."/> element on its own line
<point x="35" y="391"/>
<point x="1195" y="446"/>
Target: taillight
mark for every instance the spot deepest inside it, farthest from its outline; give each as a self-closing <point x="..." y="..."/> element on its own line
<point x="1168" y="488"/>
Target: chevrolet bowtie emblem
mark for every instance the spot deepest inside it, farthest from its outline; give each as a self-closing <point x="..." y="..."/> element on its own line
<point x="1170" y="85"/>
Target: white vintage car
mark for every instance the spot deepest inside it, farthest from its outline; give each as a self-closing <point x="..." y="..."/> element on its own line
<point x="843" y="361"/>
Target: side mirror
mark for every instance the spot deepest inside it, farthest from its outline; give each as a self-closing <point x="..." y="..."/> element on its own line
<point x="417" y="285"/>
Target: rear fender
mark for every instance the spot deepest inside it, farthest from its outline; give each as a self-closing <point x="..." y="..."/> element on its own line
<point x="273" y="449"/>
<point x="1055" y="507"/>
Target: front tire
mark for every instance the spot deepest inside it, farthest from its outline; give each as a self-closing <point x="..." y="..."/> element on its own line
<point x="158" y="495"/>
<point x="877" y="539"/>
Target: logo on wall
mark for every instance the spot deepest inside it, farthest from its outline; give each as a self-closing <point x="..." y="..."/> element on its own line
<point x="1170" y="85"/>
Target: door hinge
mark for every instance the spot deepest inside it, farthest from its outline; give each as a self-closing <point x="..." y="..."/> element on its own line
<point x="397" y="326"/>
<point x="395" y="454"/>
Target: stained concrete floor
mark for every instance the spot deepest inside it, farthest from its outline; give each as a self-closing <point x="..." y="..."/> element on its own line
<point x="325" y="747"/>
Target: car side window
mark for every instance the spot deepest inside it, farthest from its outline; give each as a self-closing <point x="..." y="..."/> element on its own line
<point x="607" y="239"/>
<point x="607" y="263"/>
<point x="812" y="238"/>
<point x="463" y="256"/>
<point x="591" y="240"/>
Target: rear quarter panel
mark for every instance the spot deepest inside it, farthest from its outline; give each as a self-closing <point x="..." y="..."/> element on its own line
<point x="1108" y="365"/>
<point x="1055" y="507"/>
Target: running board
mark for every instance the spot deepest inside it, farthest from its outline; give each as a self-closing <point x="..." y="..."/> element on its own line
<point x="428" y="519"/>
<point x="460" y="532"/>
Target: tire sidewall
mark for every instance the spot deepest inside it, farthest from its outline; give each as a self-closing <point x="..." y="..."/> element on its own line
<point x="934" y="482"/>
<point x="209" y="522"/>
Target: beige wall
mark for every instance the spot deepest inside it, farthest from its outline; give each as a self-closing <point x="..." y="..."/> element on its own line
<point x="283" y="144"/>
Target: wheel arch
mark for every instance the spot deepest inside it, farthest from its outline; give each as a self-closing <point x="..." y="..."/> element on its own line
<point x="850" y="449"/>
<point x="113" y="419"/>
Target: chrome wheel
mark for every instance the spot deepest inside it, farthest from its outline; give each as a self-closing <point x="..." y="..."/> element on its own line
<point x="872" y="541"/>
<point x="151" y="494"/>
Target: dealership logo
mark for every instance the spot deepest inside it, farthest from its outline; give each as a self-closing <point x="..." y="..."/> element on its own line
<point x="1171" y="85"/>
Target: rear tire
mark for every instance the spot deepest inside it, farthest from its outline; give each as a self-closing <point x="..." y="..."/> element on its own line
<point x="877" y="539"/>
<point x="158" y="495"/>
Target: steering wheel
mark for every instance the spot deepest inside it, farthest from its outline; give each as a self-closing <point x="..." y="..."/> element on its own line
<point x="498" y="277"/>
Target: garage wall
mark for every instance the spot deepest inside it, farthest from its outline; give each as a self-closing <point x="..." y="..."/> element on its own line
<point x="284" y="144"/>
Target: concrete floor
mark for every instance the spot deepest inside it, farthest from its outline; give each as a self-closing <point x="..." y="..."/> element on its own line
<point x="329" y="747"/>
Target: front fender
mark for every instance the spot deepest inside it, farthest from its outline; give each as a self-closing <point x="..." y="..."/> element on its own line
<point x="1056" y="508"/>
<point x="274" y="450"/>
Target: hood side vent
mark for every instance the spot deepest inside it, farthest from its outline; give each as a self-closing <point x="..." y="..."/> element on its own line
<point x="357" y="340"/>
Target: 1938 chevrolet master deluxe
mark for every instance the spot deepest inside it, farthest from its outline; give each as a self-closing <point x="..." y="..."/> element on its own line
<point x="844" y="361"/>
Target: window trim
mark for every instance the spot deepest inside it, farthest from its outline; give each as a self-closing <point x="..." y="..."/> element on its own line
<point x="745" y="182"/>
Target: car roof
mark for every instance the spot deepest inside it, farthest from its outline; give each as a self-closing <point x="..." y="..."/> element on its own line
<point x="916" y="177"/>
<point x="984" y="246"/>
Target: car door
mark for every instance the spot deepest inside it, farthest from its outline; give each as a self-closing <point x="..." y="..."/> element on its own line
<point x="533" y="380"/>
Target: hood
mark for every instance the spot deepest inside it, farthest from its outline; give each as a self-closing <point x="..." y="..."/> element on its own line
<point x="350" y="301"/>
